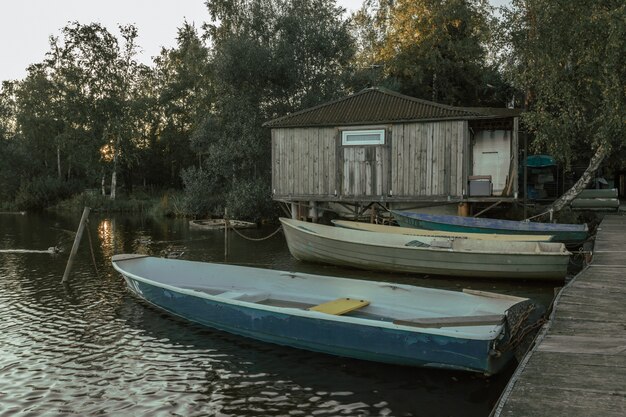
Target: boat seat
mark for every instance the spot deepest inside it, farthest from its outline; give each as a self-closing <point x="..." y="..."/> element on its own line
<point x="460" y="321"/>
<point x="340" y="306"/>
<point x="250" y="296"/>
<point x="210" y="291"/>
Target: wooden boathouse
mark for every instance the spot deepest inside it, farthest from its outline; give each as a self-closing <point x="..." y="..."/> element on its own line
<point x="381" y="147"/>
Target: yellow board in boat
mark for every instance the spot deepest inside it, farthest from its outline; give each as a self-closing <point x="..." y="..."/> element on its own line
<point x="340" y="306"/>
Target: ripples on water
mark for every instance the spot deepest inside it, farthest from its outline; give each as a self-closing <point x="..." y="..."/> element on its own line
<point x="90" y="348"/>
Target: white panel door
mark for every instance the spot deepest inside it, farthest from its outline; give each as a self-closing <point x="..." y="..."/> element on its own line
<point x="492" y="156"/>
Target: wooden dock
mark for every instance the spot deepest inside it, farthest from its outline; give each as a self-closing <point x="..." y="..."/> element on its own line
<point x="578" y="364"/>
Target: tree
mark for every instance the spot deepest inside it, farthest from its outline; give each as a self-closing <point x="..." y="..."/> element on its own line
<point x="77" y="113"/>
<point x="13" y="161"/>
<point x="430" y="49"/>
<point x="185" y="98"/>
<point x="7" y="109"/>
<point x="81" y="66"/>
<point x="123" y="122"/>
<point x="268" y="58"/>
<point x="568" y="57"/>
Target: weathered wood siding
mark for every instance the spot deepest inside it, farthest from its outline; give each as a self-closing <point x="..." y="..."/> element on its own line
<point x="364" y="170"/>
<point x="418" y="160"/>
<point x="428" y="159"/>
<point x="304" y="161"/>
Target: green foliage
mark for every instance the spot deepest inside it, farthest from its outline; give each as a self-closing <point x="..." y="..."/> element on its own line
<point x="568" y="56"/>
<point x="281" y="55"/>
<point x="183" y="81"/>
<point x="202" y="193"/>
<point x="74" y="105"/>
<point x="251" y="200"/>
<point x="171" y="204"/>
<point x="15" y="164"/>
<point x="41" y="192"/>
<point x="429" y="49"/>
<point x="268" y="58"/>
<point x="139" y="201"/>
<point x="90" y="110"/>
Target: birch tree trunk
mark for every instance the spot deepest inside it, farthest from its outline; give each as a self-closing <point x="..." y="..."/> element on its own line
<point x="582" y="182"/>
<point x="114" y="176"/>
<point x="59" y="161"/>
<point x="113" y="185"/>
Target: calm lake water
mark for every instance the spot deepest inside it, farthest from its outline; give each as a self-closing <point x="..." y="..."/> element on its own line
<point x="90" y="348"/>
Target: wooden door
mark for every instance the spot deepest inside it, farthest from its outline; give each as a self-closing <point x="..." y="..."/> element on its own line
<point x="363" y="171"/>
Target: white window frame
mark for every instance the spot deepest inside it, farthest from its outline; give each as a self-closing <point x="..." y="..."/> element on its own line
<point x="346" y="133"/>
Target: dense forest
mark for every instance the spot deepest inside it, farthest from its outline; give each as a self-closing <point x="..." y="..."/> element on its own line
<point x="91" y="118"/>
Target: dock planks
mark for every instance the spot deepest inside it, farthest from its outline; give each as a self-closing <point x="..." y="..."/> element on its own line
<point x="578" y="365"/>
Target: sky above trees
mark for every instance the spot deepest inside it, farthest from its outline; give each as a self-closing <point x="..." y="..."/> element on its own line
<point x="26" y="25"/>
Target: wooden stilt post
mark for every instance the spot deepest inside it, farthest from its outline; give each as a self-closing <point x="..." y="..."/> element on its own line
<point x="294" y="211"/>
<point x="313" y="213"/>
<point x="79" y="234"/>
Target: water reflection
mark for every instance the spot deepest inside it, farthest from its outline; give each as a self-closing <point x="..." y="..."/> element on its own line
<point x="105" y="234"/>
<point x="90" y="348"/>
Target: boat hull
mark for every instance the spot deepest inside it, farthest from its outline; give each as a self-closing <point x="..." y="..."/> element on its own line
<point x="371" y="343"/>
<point x="370" y="227"/>
<point x="569" y="235"/>
<point x="308" y="246"/>
<point x="219" y="224"/>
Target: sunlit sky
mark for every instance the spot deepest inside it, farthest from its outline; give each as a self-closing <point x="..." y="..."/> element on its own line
<point x="26" y="25"/>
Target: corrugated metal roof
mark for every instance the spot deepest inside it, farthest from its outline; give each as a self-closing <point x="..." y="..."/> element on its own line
<point x="496" y="111"/>
<point x="375" y="106"/>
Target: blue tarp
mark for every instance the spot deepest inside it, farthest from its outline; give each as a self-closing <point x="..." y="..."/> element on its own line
<point x="538" y="161"/>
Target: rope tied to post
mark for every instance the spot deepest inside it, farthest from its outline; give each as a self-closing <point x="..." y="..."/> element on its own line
<point x="229" y="226"/>
<point x="519" y="327"/>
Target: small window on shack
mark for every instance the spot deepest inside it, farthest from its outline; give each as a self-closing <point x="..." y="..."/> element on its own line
<point x="363" y="137"/>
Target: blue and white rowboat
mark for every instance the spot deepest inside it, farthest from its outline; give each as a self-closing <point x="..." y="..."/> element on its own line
<point x="566" y="233"/>
<point x="376" y="321"/>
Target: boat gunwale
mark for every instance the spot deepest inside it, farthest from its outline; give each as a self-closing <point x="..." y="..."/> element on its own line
<point x="425" y="233"/>
<point x="584" y="227"/>
<point x="564" y="251"/>
<point x="494" y="332"/>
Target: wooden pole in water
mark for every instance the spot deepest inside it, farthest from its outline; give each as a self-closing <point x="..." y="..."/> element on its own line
<point x="79" y="234"/>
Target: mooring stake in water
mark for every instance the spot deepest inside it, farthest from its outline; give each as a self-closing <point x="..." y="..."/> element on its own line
<point x="79" y="234"/>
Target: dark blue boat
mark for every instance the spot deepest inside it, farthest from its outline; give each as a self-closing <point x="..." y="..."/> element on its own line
<point x="376" y="321"/>
<point x="565" y="233"/>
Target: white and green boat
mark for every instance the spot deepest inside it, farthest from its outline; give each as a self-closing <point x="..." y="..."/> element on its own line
<point x="425" y="255"/>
